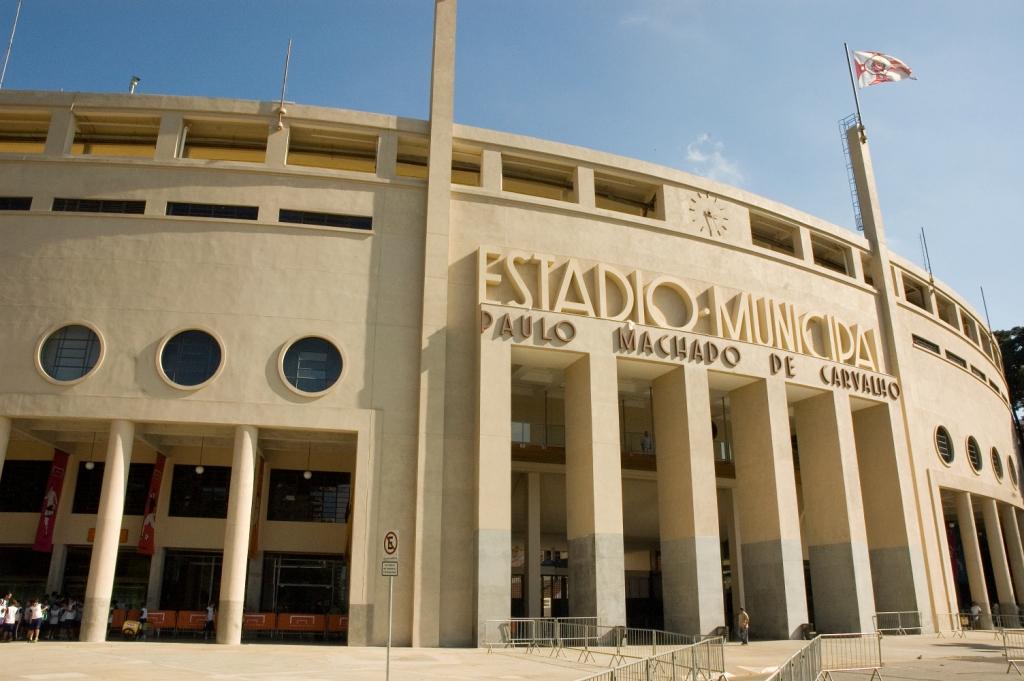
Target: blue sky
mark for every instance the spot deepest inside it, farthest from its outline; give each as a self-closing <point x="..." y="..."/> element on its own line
<point x="746" y="92"/>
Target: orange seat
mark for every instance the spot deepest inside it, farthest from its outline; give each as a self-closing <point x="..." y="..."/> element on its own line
<point x="301" y="623"/>
<point x="133" y="615"/>
<point x="191" y="620"/>
<point x="117" y="619"/>
<point x="258" y="621"/>
<point x="161" y="619"/>
<point x="337" y="624"/>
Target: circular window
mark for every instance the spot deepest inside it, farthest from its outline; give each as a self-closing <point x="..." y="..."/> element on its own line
<point x="997" y="463"/>
<point x="69" y="353"/>
<point x="1013" y="471"/>
<point x="190" y="359"/>
<point x="311" y="365"/>
<point x="974" y="454"/>
<point x="944" y="445"/>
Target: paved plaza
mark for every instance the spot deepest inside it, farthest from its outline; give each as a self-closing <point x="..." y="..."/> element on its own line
<point x="976" y="657"/>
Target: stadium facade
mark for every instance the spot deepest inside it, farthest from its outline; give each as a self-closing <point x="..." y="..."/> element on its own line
<point x="241" y="343"/>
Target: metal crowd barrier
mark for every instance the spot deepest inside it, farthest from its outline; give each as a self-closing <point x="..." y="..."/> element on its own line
<point x="953" y="622"/>
<point x="701" y="661"/>
<point x="903" y="622"/>
<point x="829" y="653"/>
<point x="1013" y="649"/>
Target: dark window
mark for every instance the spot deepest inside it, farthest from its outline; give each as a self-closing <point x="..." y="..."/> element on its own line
<point x="190" y="358"/>
<point x="304" y="217"/>
<point x="99" y="206"/>
<point x="200" y="495"/>
<point x="88" y="485"/>
<point x="15" y="202"/>
<point x="1013" y="471"/>
<point x="191" y="579"/>
<point x="321" y="499"/>
<point x="312" y="364"/>
<point x="997" y="463"/>
<point x="212" y="210"/>
<point x="944" y="445"/>
<point x="23" y="485"/>
<point x="70" y="353"/>
<point x="974" y="454"/>
<point x="304" y="583"/>
<point x="978" y="372"/>
<point x="956" y="359"/>
<point x="926" y="344"/>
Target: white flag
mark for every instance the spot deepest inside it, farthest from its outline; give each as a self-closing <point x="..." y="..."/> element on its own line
<point x="874" y="68"/>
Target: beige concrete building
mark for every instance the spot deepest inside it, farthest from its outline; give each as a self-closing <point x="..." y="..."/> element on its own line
<point x="573" y="383"/>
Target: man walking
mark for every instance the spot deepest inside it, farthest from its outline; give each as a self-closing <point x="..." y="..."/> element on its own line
<point x="744" y="626"/>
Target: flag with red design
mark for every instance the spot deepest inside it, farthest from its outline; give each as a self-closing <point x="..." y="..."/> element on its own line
<point x="874" y="68"/>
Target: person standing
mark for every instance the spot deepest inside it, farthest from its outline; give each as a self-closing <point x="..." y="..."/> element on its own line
<point x="744" y="626"/>
<point x="11" y="619"/>
<point x="210" y="617"/>
<point x="35" y="620"/>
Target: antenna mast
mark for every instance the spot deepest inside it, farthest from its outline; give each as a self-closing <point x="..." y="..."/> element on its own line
<point x="927" y="258"/>
<point x="284" y="86"/>
<point x="10" y="45"/>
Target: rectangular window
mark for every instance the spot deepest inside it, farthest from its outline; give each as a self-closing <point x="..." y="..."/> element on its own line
<point x="332" y="149"/>
<point x="773" y="236"/>
<point x="15" y="202"/>
<point x="23" y="132"/>
<point x="89" y="483"/>
<point x="224" y="141"/>
<point x="625" y="196"/>
<point x="829" y="254"/>
<point x="956" y="359"/>
<point x="99" y="206"/>
<point x="946" y="310"/>
<point x="321" y="499"/>
<point x="212" y="210"/>
<point x="23" y="485"/>
<point x="914" y="293"/>
<point x="466" y="166"/>
<point x="978" y="372"/>
<point x="195" y="495"/>
<point x="865" y="265"/>
<point x="535" y="178"/>
<point x="112" y="135"/>
<point x="926" y="344"/>
<point x="305" y="217"/>
<point x="412" y="157"/>
<point x="969" y="326"/>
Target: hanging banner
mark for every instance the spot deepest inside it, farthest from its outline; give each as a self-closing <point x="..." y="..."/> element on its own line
<point x="147" y="537"/>
<point x="51" y="500"/>
<point x="257" y="510"/>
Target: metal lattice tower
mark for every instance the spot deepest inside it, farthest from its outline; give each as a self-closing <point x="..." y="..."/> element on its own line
<point x="844" y="125"/>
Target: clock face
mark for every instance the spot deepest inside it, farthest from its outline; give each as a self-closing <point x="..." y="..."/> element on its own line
<point x="707" y="214"/>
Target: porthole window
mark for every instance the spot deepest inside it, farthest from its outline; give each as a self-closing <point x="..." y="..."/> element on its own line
<point x="190" y="359"/>
<point x="1013" y="471"/>
<point x="974" y="454"/>
<point x="311" y="365"/>
<point x="70" y="353"/>
<point x="944" y="445"/>
<point x="997" y="463"/>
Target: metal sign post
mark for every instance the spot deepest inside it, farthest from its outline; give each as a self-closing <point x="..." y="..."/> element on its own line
<point x="389" y="569"/>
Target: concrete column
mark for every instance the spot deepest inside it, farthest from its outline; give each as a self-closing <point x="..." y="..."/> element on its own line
<point x="5" y="438"/>
<point x="490" y="169"/>
<point x="277" y="146"/>
<point x="254" y="582"/>
<point x="387" y="154"/>
<point x="1014" y="549"/>
<point x="836" y="536"/>
<point x="167" y="139"/>
<point x="765" y="501"/>
<point x="59" y="137"/>
<point x="583" y="187"/>
<point x="691" y="552"/>
<point x="100" y="587"/>
<point x="593" y="486"/>
<point x="897" y="565"/>
<point x="236" y="536"/>
<point x="156" y="578"/>
<point x="533" y="545"/>
<point x="494" y="484"/>
<point x="972" y="555"/>
<point x="997" y="554"/>
<point x="364" y="549"/>
<point x="55" y="575"/>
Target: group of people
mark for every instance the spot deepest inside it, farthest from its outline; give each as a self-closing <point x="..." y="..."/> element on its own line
<point x="59" y="616"/>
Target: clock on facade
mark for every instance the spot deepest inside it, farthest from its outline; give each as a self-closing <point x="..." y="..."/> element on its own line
<point x="707" y="214"/>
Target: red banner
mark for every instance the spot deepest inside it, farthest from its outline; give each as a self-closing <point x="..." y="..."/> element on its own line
<point x="51" y="500"/>
<point x="147" y="537"/>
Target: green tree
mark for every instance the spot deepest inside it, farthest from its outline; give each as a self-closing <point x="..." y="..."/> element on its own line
<point x="1011" y="344"/>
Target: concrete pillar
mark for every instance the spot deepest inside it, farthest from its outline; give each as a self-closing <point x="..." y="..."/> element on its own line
<point x="593" y="486"/>
<point x="583" y="187"/>
<point x="1014" y="549"/>
<point x="167" y="139"/>
<point x="100" y="587"/>
<point x="59" y="137"/>
<point x="55" y="575"/>
<point x="156" y="578"/>
<point x="691" y="552"/>
<point x="836" y="537"/>
<point x="277" y="146"/>
<point x="972" y="555"/>
<point x="997" y="554"/>
<point x="490" y="169"/>
<point x="494" y="485"/>
<point x="765" y="501"/>
<point x="533" y="545"/>
<point x="5" y="438"/>
<point x="236" y="536"/>
<point x="897" y="565"/>
<point x="254" y="582"/>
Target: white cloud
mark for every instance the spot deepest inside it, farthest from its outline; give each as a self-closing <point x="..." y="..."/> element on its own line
<point x="706" y="158"/>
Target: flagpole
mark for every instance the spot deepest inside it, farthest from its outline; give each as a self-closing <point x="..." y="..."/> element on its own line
<point x="10" y="44"/>
<point x="856" y="97"/>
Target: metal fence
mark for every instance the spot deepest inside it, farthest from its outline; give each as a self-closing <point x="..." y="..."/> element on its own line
<point x="903" y="623"/>
<point x="702" y="661"/>
<point x="1013" y="649"/>
<point x="829" y="653"/>
<point x="952" y="623"/>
